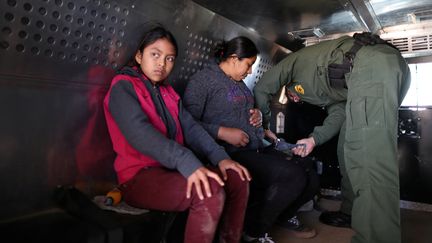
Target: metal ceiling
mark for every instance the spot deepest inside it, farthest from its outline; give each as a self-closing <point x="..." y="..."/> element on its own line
<point x="289" y="23"/>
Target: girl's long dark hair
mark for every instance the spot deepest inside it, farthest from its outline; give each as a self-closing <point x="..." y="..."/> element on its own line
<point x="241" y="46"/>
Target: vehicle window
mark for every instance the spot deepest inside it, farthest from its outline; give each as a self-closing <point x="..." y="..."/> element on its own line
<point x="419" y="93"/>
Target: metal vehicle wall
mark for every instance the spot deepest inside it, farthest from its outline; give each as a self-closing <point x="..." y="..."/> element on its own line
<point x="57" y="58"/>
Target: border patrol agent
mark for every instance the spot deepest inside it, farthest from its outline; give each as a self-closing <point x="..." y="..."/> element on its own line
<point x="361" y="81"/>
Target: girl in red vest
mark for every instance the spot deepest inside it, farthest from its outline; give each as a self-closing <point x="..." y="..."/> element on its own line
<point x="153" y="135"/>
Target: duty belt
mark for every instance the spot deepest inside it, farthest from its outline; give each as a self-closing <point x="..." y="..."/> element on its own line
<point x="336" y="72"/>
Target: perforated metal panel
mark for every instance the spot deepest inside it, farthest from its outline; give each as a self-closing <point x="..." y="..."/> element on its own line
<point x="197" y="54"/>
<point x="57" y="59"/>
<point x="261" y="67"/>
<point x="66" y="31"/>
<point x="198" y="50"/>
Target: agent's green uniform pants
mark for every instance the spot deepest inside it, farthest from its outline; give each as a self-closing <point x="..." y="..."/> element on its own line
<point x="346" y="188"/>
<point x="376" y="86"/>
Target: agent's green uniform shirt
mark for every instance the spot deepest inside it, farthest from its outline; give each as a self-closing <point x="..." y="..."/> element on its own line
<point x="365" y="114"/>
<point x="308" y="68"/>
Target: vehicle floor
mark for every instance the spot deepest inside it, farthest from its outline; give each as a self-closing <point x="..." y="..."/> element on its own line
<point x="416" y="227"/>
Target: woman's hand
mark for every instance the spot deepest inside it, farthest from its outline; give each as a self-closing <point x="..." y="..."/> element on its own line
<point x="198" y="179"/>
<point x="255" y="118"/>
<point x="233" y="136"/>
<point x="304" y="151"/>
<point x="226" y="164"/>
<point x="268" y="133"/>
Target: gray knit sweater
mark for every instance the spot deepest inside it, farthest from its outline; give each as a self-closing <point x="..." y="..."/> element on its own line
<point x="216" y="100"/>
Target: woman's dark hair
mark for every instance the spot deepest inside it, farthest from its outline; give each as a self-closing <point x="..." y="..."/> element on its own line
<point x="151" y="36"/>
<point x="241" y="46"/>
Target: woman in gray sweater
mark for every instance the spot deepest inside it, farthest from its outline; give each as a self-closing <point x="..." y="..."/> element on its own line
<point x="220" y="100"/>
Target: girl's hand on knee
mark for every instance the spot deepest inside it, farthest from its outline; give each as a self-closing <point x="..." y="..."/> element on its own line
<point x="226" y="164"/>
<point x="199" y="179"/>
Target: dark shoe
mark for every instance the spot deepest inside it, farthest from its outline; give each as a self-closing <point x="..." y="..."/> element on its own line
<point x="298" y="229"/>
<point x="336" y="218"/>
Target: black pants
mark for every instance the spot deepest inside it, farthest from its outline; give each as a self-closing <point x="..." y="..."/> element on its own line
<point x="280" y="186"/>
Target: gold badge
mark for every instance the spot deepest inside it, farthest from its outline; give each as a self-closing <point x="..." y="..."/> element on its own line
<point x="299" y="89"/>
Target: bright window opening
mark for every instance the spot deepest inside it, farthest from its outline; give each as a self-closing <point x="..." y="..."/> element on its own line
<point x="419" y="93"/>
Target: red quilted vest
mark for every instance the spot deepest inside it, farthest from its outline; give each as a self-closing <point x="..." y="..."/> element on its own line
<point x="129" y="161"/>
